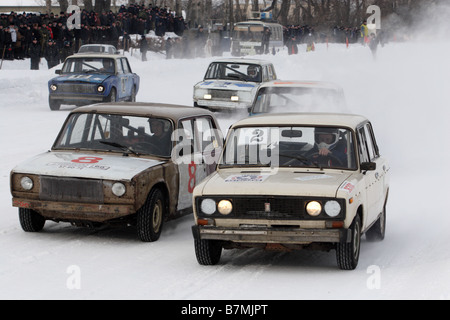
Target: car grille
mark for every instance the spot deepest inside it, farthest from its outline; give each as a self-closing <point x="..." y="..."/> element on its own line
<point x="77" y="88"/>
<point x="222" y="94"/>
<point x="268" y="208"/>
<point x="71" y="190"/>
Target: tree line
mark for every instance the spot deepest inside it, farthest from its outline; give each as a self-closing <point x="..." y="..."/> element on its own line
<point x="325" y="13"/>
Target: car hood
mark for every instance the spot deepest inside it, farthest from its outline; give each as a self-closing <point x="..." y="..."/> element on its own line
<point x="227" y="85"/>
<point x="81" y="77"/>
<point x="80" y="165"/>
<point x="282" y="183"/>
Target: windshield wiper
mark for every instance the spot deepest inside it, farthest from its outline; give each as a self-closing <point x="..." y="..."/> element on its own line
<point x="120" y="146"/>
<point x="302" y="159"/>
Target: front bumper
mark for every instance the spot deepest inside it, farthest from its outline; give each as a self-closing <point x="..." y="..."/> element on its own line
<point x="77" y="97"/>
<point x="272" y="235"/>
<point x="223" y="105"/>
<point x="69" y="211"/>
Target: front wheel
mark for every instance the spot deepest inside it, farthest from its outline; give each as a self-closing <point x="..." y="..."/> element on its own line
<point x="150" y="217"/>
<point x="133" y="95"/>
<point x="30" y="220"/>
<point x="208" y="252"/>
<point x="112" y="96"/>
<point x="347" y="254"/>
<point x="55" y="105"/>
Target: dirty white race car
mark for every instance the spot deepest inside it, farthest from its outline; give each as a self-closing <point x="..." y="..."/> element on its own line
<point x="294" y="181"/>
<point x="119" y="164"/>
<point x="231" y="85"/>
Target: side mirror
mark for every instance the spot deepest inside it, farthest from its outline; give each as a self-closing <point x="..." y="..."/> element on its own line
<point x="58" y="71"/>
<point x="368" y="166"/>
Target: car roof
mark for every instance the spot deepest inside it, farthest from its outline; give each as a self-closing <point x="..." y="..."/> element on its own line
<point x="158" y="110"/>
<point x="95" y="55"/>
<point x="315" y="119"/>
<point x="302" y="84"/>
<point x="242" y="60"/>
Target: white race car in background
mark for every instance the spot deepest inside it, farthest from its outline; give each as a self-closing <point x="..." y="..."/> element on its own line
<point x="231" y="85"/>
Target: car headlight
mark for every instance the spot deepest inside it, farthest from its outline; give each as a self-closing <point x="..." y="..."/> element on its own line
<point x="234" y="98"/>
<point x="26" y="183"/>
<point x="53" y="87"/>
<point x="332" y="208"/>
<point x="314" y="208"/>
<point x="100" y="89"/>
<point x="200" y="93"/>
<point x="208" y="206"/>
<point x="118" y="189"/>
<point x="225" y="207"/>
<point x="207" y="96"/>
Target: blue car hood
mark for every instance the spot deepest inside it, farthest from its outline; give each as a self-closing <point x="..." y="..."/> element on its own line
<point x="81" y="77"/>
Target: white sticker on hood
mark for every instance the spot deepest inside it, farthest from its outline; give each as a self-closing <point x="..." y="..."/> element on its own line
<point x="247" y="178"/>
<point x="314" y="177"/>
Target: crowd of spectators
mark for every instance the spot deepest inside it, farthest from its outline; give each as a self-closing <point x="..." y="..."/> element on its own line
<point x="18" y="30"/>
<point x="32" y="35"/>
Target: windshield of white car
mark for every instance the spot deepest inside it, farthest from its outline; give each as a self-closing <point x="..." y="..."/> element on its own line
<point x="234" y="71"/>
<point x="295" y="99"/>
<point x="89" y="65"/>
<point x="296" y="146"/>
<point x="116" y="133"/>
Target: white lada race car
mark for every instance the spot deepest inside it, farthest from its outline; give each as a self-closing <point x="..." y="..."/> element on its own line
<point x="231" y="84"/>
<point x="127" y="163"/>
<point x="294" y="181"/>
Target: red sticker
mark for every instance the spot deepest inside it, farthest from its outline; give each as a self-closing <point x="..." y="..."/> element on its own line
<point x="87" y="160"/>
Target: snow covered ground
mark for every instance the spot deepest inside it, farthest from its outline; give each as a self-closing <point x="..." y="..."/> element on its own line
<point x="405" y="93"/>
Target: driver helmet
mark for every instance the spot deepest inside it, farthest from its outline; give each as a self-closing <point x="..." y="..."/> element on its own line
<point x="252" y="71"/>
<point x="326" y="137"/>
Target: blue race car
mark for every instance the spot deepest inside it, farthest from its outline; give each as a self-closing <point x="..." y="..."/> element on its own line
<point x="92" y="78"/>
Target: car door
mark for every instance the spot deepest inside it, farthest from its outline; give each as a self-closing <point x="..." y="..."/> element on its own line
<point x="196" y="155"/>
<point x="373" y="178"/>
<point x="124" y="78"/>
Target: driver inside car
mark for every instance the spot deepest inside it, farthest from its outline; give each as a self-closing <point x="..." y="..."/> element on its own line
<point x="329" y="148"/>
<point x="161" y="137"/>
<point x="108" y="66"/>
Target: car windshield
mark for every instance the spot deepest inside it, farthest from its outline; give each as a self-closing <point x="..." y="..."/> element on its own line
<point x="249" y="33"/>
<point x="234" y="71"/>
<point x="295" y="99"/>
<point x="298" y="146"/>
<point x="116" y="133"/>
<point x="89" y="65"/>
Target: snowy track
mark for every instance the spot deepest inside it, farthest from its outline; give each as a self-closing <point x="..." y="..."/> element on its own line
<point x="405" y="93"/>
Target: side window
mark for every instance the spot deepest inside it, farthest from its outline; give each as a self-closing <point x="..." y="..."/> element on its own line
<point x="188" y="133"/>
<point x="362" y="146"/>
<point x="371" y="144"/>
<point x="271" y="72"/>
<point x="207" y="134"/>
<point x="126" y="67"/>
<point x="265" y="74"/>
<point x="119" y="66"/>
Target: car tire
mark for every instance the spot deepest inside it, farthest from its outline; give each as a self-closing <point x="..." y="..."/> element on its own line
<point x="150" y="218"/>
<point x="30" y="220"/>
<point x="55" y="105"/>
<point x="347" y="254"/>
<point x="133" y="95"/>
<point x="112" y="97"/>
<point x="208" y="252"/>
<point x="378" y="231"/>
